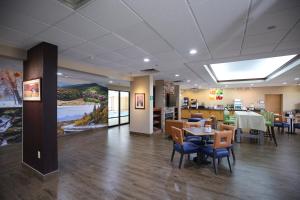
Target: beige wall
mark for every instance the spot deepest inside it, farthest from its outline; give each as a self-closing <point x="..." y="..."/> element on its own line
<point x="291" y="96"/>
<point x="141" y="120"/>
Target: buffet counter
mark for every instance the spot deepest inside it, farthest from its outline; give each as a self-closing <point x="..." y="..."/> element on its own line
<point x="207" y="112"/>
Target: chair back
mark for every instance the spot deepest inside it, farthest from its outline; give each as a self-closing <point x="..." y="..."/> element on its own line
<point x="208" y="122"/>
<point x="225" y="127"/>
<point x="297" y="118"/>
<point x="192" y="124"/>
<point x="222" y="139"/>
<point x="196" y="115"/>
<point x="269" y="117"/>
<point x="177" y="135"/>
<point x="214" y="121"/>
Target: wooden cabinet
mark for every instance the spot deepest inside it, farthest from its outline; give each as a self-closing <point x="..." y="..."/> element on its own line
<point x="186" y="113"/>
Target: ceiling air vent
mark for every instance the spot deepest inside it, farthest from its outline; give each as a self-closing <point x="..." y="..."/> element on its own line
<point x="74" y="4"/>
<point x="178" y="81"/>
<point x="150" y="71"/>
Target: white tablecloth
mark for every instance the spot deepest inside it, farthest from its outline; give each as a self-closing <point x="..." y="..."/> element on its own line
<point x="250" y="120"/>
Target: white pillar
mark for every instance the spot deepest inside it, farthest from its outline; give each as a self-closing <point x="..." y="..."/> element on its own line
<point x="141" y="120"/>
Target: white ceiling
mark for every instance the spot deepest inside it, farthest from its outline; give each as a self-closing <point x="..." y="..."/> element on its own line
<point x="119" y="34"/>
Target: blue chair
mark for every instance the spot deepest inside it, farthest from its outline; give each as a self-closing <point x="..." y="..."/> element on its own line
<point x="220" y="148"/>
<point x="180" y="146"/>
<point x="195" y="117"/>
<point x="297" y="122"/>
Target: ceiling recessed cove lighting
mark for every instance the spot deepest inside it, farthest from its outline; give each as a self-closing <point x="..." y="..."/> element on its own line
<point x="297" y="79"/>
<point x="177" y="75"/>
<point x="59" y="73"/>
<point x="262" y="69"/>
<point x="146" y="60"/>
<point x="193" y="51"/>
<point x="284" y="83"/>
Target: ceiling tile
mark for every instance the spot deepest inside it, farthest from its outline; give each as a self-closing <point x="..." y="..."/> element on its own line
<point x="81" y="27"/>
<point x="111" y="42"/>
<point x="138" y="33"/>
<point x="60" y="38"/>
<point x="21" y="22"/>
<point x="111" y="57"/>
<point x="259" y="22"/>
<point x="111" y="14"/>
<point x="132" y="52"/>
<point x="12" y="36"/>
<point x="225" y="26"/>
<point x="171" y="19"/>
<point x="75" y="54"/>
<point x="90" y="48"/>
<point x="264" y="39"/>
<point x="47" y="11"/>
<point x="155" y="46"/>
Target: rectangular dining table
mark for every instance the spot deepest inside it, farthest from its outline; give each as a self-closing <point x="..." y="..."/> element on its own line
<point x="251" y="121"/>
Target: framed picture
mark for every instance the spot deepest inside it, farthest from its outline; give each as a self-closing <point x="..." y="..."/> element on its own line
<point x="139" y="100"/>
<point x="32" y="90"/>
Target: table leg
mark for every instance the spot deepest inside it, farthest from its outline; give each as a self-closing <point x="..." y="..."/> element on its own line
<point x="261" y="137"/>
<point x="238" y="135"/>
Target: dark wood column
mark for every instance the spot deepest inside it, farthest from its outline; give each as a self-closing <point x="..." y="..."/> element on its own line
<point x="39" y="117"/>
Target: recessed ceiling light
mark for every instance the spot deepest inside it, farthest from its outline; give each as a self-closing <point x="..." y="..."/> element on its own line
<point x="177" y="75"/>
<point x="110" y="81"/>
<point x="251" y="84"/>
<point x="193" y="51"/>
<point x="296" y="79"/>
<point x="59" y="73"/>
<point x="226" y="85"/>
<point x="284" y="83"/>
<point x="188" y="81"/>
<point x="195" y="84"/>
<point x="146" y="60"/>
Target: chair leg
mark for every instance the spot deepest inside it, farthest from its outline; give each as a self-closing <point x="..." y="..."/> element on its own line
<point x="233" y="154"/>
<point x="189" y="157"/>
<point x="273" y="135"/>
<point x="181" y="157"/>
<point x="214" y="163"/>
<point x="229" y="164"/>
<point x="219" y="161"/>
<point x="172" y="157"/>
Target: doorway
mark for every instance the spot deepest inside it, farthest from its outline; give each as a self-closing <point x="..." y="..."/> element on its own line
<point x="118" y="107"/>
<point x="273" y="103"/>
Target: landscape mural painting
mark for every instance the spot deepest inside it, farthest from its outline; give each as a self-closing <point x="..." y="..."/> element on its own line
<point x="10" y="102"/>
<point x="81" y="107"/>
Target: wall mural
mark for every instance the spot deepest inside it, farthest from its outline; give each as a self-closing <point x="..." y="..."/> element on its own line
<point x="81" y="107"/>
<point x="10" y="105"/>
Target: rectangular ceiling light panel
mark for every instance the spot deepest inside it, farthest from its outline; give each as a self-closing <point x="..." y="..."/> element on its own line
<point x="249" y="69"/>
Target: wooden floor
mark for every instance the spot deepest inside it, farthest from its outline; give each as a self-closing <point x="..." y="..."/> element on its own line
<point x="116" y="165"/>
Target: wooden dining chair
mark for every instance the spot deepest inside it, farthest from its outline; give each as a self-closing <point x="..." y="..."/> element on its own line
<point x="225" y="127"/>
<point x="220" y="148"/>
<point x="181" y="146"/>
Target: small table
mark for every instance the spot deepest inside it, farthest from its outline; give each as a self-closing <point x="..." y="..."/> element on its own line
<point x="250" y="120"/>
<point x="198" y="131"/>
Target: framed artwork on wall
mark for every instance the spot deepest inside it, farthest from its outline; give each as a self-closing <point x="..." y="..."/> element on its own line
<point x="32" y="90"/>
<point x="139" y="100"/>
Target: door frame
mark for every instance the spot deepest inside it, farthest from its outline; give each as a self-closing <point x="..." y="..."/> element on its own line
<point x="119" y="109"/>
